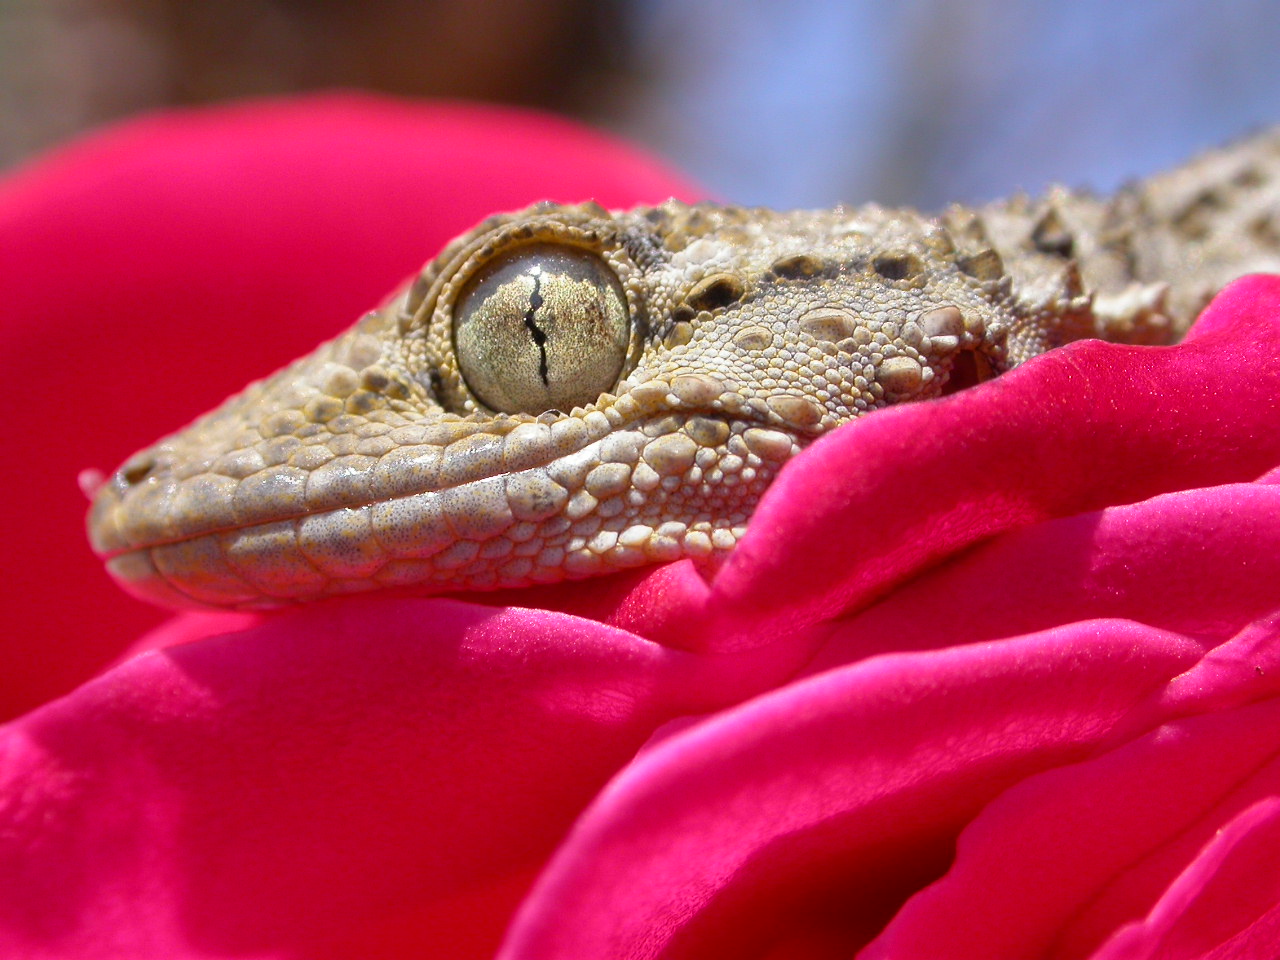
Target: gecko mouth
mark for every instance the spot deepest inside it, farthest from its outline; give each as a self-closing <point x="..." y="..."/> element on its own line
<point x="540" y="502"/>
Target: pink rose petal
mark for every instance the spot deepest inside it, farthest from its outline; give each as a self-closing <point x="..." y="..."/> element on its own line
<point x="822" y="803"/>
<point x="1200" y="562"/>
<point x="1065" y="858"/>
<point x="323" y="778"/>
<point x="1233" y="879"/>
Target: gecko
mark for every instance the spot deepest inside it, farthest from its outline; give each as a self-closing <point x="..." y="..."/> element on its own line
<point x="567" y="391"/>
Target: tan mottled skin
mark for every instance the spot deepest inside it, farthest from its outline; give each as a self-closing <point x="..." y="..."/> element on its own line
<point x="372" y="463"/>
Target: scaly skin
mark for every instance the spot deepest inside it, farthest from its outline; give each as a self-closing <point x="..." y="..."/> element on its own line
<point x="707" y="346"/>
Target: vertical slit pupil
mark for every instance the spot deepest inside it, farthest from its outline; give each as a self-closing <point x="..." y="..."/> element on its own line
<point x="539" y="338"/>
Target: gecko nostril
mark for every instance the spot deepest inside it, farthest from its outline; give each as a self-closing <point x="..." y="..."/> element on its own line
<point x="137" y="470"/>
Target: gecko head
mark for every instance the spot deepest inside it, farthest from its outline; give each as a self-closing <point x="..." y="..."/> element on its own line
<point x="562" y="392"/>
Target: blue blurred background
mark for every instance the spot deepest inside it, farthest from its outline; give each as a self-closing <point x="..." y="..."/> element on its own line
<point x="776" y="102"/>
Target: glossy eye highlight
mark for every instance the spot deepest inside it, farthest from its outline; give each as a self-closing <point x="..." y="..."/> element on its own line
<point x="542" y="327"/>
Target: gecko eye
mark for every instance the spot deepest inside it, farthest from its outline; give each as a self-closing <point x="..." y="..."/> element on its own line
<point x="543" y="327"/>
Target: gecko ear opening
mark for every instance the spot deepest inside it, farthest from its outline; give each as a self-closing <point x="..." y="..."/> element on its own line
<point x="969" y="369"/>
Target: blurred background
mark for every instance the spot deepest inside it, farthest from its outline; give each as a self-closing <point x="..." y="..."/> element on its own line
<point x="777" y="102"/>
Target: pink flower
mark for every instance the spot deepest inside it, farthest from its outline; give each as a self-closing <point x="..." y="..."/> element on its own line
<point x="996" y="676"/>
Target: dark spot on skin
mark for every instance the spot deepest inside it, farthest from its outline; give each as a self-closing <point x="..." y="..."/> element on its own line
<point x="644" y="249"/>
<point x="1050" y="235"/>
<point x="1193" y="220"/>
<point x="374" y="380"/>
<point x="362" y="402"/>
<point x="796" y="267"/>
<point x="1249" y="178"/>
<point x="895" y="265"/>
<point x="696" y="221"/>
<point x="715" y="291"/>
<point x="1265" y="230"/>
<point x="683" y="313"/>
<point x="437" y="384"/>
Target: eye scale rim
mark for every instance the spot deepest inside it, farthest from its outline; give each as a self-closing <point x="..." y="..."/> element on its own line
<point x="542" y="326"/>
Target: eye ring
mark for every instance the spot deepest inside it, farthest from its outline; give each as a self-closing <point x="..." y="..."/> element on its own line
<point x="541" y="326"/>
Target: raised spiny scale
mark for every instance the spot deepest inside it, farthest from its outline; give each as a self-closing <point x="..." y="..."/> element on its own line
<point x="1070" y="282"/>
<point x="938" y="241"/>
<point x="1050" y="234"/>
<point x="966" y="225"/>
